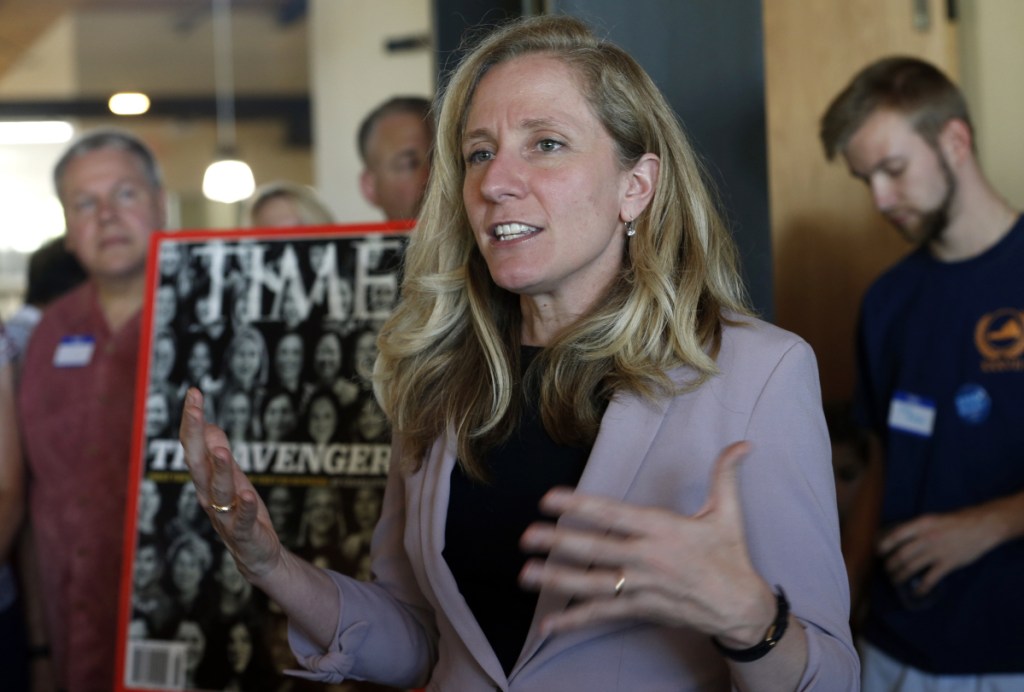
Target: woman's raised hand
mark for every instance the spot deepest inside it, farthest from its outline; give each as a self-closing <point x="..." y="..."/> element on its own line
<point x="222" y="489"/>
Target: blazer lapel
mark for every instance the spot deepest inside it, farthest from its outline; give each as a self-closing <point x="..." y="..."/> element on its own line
<point x="432" y="521"/>
<point x="628" y="428"/>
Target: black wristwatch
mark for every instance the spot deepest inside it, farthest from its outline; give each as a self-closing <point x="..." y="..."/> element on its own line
<point x="771" y="637"/>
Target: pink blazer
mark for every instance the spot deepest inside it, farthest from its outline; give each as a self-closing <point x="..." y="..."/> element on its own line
<point x="411" y="626"/>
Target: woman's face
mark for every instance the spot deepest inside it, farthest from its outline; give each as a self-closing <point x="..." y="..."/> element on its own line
<point x="366" y="354"/>
<point x="163" y="359"/>
<point x="188" y="505"/>
<point x="323" y="419"/>
<point x="327" y="358"/>
<point x="245" y="362"/>
<point x="171" y="259"/>
<point x="279" y="211"/>
<point x="166" y="305"/>
<point x="291" y="312"/>
<point x="204" y="310"/>
<point x="345" y="298"/>
<point x="320" y="509"/>
<point x="278" y="418"/>
<point x="380" y="297"/>
<point x="288" y="358"/>
<point x="192" y="634"/>
<point x="200" y="361"/>
<point x="149" y="501"/>
<point x="147" y="567"/>
<point x="279" y="507"/>
<point x="371" y="420"/>
<point x="366" y="507"/>
<point x="240" y="303"/>
<point x="231" y="580"/>
<point x="186" y="571"/>
<point x="237" y="413"/>
<point x="158" y="415"/>
<point x="544" y="189"/>
<point x="239" y="647"/>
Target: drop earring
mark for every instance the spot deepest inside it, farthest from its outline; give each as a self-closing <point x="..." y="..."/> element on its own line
<point x="631" y="228"/>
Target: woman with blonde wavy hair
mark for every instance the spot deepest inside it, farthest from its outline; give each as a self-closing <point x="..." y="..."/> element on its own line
<point x="572" y="379"/>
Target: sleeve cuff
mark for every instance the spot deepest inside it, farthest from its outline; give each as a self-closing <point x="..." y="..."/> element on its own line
<point x="333" y="665"/>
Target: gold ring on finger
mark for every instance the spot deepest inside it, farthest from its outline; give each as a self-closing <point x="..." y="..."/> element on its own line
<point x="221" y="509"/>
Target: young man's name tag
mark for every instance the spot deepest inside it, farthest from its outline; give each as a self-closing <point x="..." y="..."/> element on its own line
<point x="912" y="414"/>
<point x="74" y="351"/>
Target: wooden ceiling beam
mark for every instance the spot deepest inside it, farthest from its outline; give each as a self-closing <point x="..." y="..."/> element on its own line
<point x="22" y="22"/>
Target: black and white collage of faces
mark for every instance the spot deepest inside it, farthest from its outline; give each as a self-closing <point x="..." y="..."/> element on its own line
<point x="280" y="336"/>
<point x="186" y="588"/>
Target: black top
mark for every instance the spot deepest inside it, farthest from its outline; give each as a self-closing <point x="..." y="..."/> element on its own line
<point x="485" y="522"/>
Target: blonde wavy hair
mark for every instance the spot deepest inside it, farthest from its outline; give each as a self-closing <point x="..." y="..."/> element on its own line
<point x="450" y="354"/>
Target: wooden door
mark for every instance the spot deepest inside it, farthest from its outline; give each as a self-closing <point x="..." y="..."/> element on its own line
<point x="828" y="242"/>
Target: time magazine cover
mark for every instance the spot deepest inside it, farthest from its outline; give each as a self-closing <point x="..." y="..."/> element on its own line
<point x="278" y="329"/>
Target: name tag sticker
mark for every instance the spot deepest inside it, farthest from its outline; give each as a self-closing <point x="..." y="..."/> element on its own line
<point x="912" y="414"/>
<point x="74" y="352"/>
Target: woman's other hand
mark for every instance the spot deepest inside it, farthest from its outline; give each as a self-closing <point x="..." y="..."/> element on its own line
<point x="620" y="561"/>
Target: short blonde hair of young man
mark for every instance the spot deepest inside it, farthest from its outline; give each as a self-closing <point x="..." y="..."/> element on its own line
<point x="449" y="357"/>
<point x="905" y="84"/>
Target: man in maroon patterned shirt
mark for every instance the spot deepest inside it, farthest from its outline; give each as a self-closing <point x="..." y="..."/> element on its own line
<point x="77" y="399"/>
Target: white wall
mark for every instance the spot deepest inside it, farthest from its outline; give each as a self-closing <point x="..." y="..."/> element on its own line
<point x="350" y="73"/>
<point x="26" y="194"/>
<point x="992" y="75"/>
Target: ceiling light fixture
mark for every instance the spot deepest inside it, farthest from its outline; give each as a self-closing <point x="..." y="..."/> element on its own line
<point x="128" y="103"/>
<point x="228" y="179"/>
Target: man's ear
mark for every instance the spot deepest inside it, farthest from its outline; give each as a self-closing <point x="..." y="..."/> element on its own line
<point x="956" y="141"/>
<point x="640" y="186"/>
<point x="368" y="186"/>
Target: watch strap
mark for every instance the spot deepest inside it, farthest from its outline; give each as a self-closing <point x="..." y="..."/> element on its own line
<point x="771" y="637"/>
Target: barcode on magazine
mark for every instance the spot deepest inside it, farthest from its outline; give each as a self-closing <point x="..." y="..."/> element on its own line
<point x="156" y="665"/>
